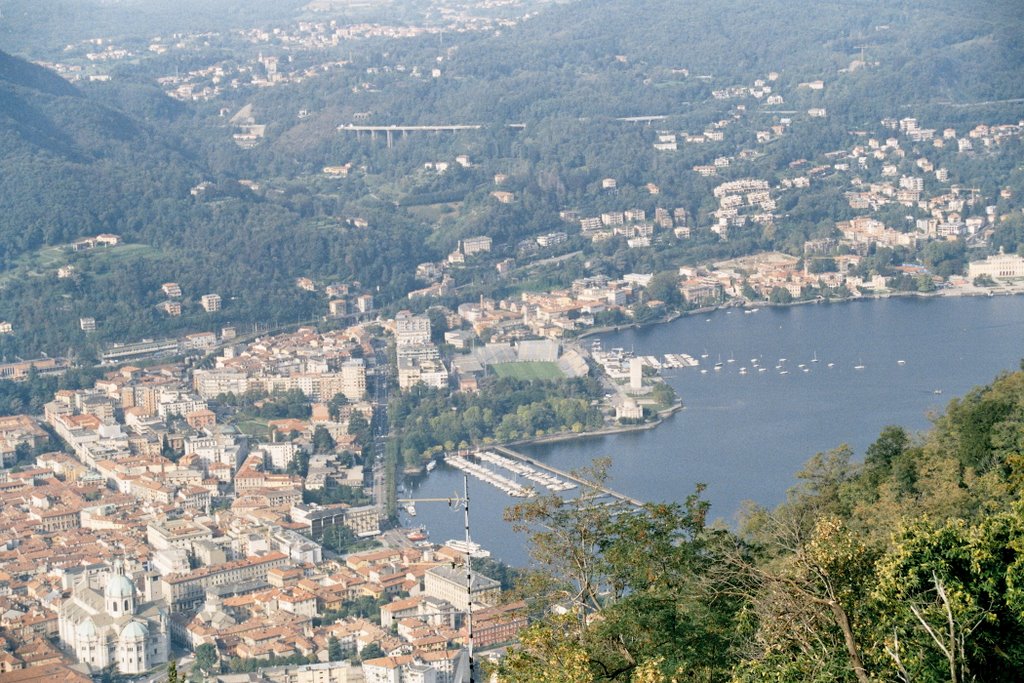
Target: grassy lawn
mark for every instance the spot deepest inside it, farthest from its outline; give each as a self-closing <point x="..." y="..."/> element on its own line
<point x="528" y="370"/>
<point x="433" y="213"/>
<point x="255" y="427"/>
<point x="45" y="261"/>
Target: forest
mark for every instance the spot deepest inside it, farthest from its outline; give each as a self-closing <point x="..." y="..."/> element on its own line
<point x="429" y="421"/>
<point x="907" y="566"/>
<point x="122" y="157"/>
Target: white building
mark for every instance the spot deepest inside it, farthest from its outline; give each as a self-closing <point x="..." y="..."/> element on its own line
<point x="210" y="302"/>
<point x="412" y="330"/>
<point x="998" y="266"/>
<point x="353" y="377"/>
<point x="114" y="627"/>
<point x="449" y="584"/>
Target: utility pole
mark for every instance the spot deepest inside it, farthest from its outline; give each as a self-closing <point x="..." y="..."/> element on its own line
<point x="469" y="577"/>
<point x="454" y="502"/>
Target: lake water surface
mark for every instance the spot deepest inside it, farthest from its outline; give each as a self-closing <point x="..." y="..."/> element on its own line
<point x="746" y="435"/>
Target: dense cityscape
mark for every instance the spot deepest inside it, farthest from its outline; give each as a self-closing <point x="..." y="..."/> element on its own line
<point x="261" y="279"/>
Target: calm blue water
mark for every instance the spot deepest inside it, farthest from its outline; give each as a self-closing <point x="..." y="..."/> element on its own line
<point x="745" y="436"/>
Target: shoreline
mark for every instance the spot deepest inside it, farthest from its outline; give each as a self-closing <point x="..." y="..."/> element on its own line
<point x="955" y="292"/>
<point x="662" y="415"/>
<point x="659" y="418"/>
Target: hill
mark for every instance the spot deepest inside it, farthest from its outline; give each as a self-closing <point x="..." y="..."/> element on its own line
<point x="120" y="157"/>
<point x="907" y="566"/>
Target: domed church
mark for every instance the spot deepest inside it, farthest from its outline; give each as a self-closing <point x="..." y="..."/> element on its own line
<point x="111" y="626"/>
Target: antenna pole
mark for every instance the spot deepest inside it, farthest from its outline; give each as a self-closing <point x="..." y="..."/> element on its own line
<point x="469" y="576"/>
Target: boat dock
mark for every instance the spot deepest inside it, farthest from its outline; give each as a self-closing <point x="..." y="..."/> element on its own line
<point x="546" y="480"/>
<point x="482" y="473"/>
<point x="516" y="455"/>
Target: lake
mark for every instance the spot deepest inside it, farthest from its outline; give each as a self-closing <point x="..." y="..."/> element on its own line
<point x="746" y="435"/>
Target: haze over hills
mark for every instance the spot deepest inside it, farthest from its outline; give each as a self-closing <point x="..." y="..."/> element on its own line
<point x="356" y="242"/>
<point x="122" y="157"/>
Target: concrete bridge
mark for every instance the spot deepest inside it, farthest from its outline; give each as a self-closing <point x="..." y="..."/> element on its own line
<point x="389" y="130"/>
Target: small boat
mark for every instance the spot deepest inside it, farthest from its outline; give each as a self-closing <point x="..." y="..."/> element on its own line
<point x="743" y="371"/>
<point x="431" y="465"/>
<point x="807" y="369"/>
<point x="718" y="367"/>
<point x="859" y="366"/>
<point x="814" y="357"/>
<point x="782" y="360"/>
<point x="762" y="369"/>
<point x="705" y="354"/>
<point x="801" y="366"/>
<point x="783" y="372"/>
<point x="417" y="535"/>
<point x="731" y="360"/>
<point x="901" y="362"/>
<point x="703" y="371"/>
<point x="411" y="509"/>
<point x="937" y="391"/>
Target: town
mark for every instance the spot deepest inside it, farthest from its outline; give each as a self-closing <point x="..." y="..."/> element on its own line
<point x="227" y="495"/>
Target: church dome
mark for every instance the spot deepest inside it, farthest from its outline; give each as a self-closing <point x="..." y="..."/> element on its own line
<point x="86" y="630"/>
<point x="134" y="631"/>
<point x="119" y="587"/>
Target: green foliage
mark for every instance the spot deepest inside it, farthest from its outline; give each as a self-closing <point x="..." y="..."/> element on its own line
<point x="664" y="287"/>
<point x="504" y="409"/>
<point x="905" y="567"/>
<point x="780" y="295"/>
<point x="529" y="370"/>
<point x="371" y="651"/>
<point x="664" y="395"/>
<point x="206" y="657"/>
<point x="338" y="539"/>
<point x="948" y="599"/>
<point x="635" y="587"/>
<point x="330" y="495"/>
<point x="322" y="440"/>
<point x="334" y="651"/>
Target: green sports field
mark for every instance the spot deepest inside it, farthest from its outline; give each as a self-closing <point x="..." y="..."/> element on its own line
<point x="528" y="370"/>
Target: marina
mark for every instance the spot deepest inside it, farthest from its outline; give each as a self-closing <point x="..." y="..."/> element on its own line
<point x="507" y="465"/>
<point x="746" y="436"/>
<point x="480" y="472"/>
<point x="549" y="481"/>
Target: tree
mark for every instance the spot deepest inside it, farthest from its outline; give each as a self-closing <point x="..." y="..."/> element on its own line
<point x="809" y="585"/>
<point x="634" y="584"/>
<point x="335" y="405"/>
<point x="206" y="657"/>
<point x="438" y="324"/>
<point x="172" y="672"/>
<point x="664" y="286"/>
<point x="371" y="651"/>
<point x="299" y="464"/>
<point x="323" y="442"/>
<point x="948" y="601"/>
<point x="780" y="295"/>
<point x="334" y="651"/>
<point x="808" y="575"/>
<point x="338" y="538"/>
